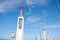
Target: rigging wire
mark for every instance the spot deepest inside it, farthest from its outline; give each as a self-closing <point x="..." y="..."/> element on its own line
<point x="29" y="6"/>
<point x="58" y="7"/>
<point x="57" y="11"/>
<point x="40" y="37"/>
<point x="58" y="4"/>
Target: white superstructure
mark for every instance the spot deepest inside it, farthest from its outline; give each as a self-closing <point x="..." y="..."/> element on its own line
<point x="13" y="35"/>
<point x="20" y="26"/>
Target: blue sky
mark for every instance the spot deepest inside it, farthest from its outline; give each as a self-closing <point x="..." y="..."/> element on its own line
<point x="34" y="12"/>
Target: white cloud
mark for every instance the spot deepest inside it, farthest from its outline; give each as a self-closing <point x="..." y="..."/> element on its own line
<point x="33" y="19"/>
<point x="28" y="13"/>
<point x="44" y="12"/>
<point x="53" y="26"/>
<point x="7" y="5"/>
<point x="30" y="10"/>
<point x="29" y="2"/>
<point x="37" y="2"/>
<point x="37" y="24"/>
<point x="1" y="8"/>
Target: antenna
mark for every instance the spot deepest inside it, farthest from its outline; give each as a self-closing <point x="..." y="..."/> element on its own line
<point x="44" y="20"/>
<point x="44" y="23"/>
<point x="21" y="11"/>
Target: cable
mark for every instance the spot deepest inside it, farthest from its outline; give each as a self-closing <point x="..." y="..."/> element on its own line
<point x="57" y="12"/>
<point x="58" y="4"/>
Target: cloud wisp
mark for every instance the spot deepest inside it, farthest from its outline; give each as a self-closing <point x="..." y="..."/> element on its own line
<point x="7" y="5"/>
<point x="37" y="2"/>
<point x="53" y="26"/>
<point x="32" y="19"/>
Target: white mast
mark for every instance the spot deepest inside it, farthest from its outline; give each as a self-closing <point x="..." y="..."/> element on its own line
<point x="20" y="26"/>
<point x="21" y="11"/>
<point x="45" y="34"/>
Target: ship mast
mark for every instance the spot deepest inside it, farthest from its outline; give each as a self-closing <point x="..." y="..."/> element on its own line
<point x="44" y="24"/>
<point x="44" y="30"/>
<point x="21" y="11"/>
